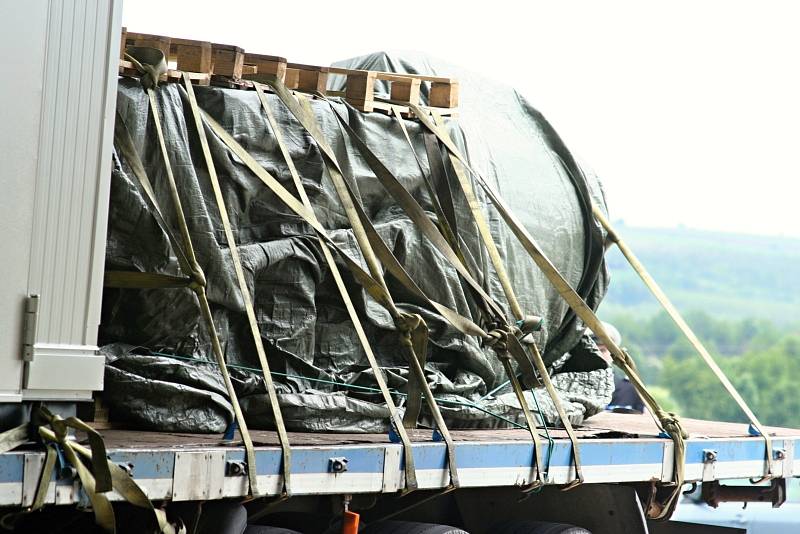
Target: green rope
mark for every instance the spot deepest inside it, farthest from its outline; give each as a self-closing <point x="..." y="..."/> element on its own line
<point x="538" y="410"/>
<point x="550" y="441"/>
<point x="351" y="386"/>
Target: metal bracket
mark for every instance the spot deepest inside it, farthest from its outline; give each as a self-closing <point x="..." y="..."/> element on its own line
<point x="714" y="493"/>
<point x="198" y="475"/>
<point x="337" y="464"/>
<point x="235" y="469"/>
<point x="29" y="322"/>
<point x="709" y="461"/>
<point x="788" y="459"/>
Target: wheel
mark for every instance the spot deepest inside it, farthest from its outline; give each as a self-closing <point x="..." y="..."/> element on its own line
<point x="407" y="527"/>
<point x="536" y="527"/>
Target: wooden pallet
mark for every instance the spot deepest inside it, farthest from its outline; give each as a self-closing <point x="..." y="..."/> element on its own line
<point x="230" y="66"/>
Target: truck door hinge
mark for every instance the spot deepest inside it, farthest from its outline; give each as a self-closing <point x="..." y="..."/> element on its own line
<point x="29" y="321"/>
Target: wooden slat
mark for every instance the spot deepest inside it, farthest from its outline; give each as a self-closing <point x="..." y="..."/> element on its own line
<point x="392" y="76"/>
<point x="292" y="78"/>
<point x="227" y="60"/>
<point x="444" y="95"/>
<point x="265" y="65"/>
<point x="162" y="42"/>
<point x="405" y="91"/>
<point x="190" y="55"/>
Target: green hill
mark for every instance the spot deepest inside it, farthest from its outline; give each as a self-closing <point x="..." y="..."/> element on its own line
<point x="730" y="276"/>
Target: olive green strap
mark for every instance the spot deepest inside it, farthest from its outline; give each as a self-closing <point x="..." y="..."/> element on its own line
<point x="121" y="481"/>
<point x="13" y="438"/>
<point x="243" y="289"/>
<point x="364" y="279"/>
<point x="124" y="143"/>
<point x="418" y="216"/>
<point x="662" y="298"/>
<point x="668" y="421"/>
<point x="443" y="221"/>
<point x="196" y="272"/>
<point x="508" y="289"/>
<point x="408" y="456"/>
<point x="345" y="194"/>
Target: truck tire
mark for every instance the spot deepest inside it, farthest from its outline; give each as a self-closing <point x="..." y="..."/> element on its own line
<point x="407" y="527"/>
<point x="537" y="527"/>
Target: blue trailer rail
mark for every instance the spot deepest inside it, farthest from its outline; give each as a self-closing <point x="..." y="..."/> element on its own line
<point x="181" y="470"/>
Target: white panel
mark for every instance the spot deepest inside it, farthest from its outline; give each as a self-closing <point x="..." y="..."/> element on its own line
<point x="23" y="35"/>
<point x="62" y="199"/>
<point x="65" y="368"/>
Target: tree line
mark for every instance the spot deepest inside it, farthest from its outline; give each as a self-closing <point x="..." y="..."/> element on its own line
<point x="761" y="358"/>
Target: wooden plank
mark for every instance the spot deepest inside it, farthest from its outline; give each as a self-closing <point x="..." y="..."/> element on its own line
<point x="197" y="78"/>
<point x="311" y="78"/>
<point x="265" y="65"/>
<point x="227" y="60"/>
<point x="599" y="425"/>
<point x="162" y="42"/>
<point x="190" y="55"/>
<point x="405" y="91"/>
<point x="444" y="95"/>
<point x="292" y="78"/>
<point x="392" y="76"/>
<point x="360" y="90"/>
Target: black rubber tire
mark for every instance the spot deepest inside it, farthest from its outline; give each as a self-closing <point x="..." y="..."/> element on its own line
<point x="262" y="529"/>
<point x="536" y="527"/>
<point x="408" y="527"/>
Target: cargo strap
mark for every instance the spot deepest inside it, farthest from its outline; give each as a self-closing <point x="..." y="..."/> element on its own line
<point x="504" y="339"/>
<point x="196" y="272"/>
<point x="184" y="252"/>
<point x="516" y="309"/>
<point x="140" y="280"/>
<point x="662" y="298"/>
<point x="396" y="421"/>
<point x="244" y="290"/>
<point x="411" y="340"/>
<point x="103" y="477"/>
<point x="499" y="338"/>
<point x="444" y="223"/>
<point x="440" y="178"/>
<point x="13" y="438"/>
<point x="375" y="290"/>
<point x="667" y="421"/>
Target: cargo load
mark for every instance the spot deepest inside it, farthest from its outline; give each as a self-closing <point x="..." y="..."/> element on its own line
<point x="160" y="373"/>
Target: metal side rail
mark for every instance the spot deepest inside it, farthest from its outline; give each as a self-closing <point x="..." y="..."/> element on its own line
<point x="204" y="472"/>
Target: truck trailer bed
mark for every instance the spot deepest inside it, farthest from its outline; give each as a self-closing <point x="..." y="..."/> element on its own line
<point x="613" y="447"/>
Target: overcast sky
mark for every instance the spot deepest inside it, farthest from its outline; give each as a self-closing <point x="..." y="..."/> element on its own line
<point x="688" y="110"/>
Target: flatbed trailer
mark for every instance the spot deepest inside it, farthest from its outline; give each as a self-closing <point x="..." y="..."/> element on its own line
<point x="623" y="450"/>
<point x="624" y="458"/>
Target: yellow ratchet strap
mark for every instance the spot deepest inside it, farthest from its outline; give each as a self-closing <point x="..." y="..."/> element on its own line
<point x="668" y="421"/>
<point x="662" y="298"/>
<point x="244" y="290"/>
<point x="411" y="326"/>
<point x="195" y="271"/>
